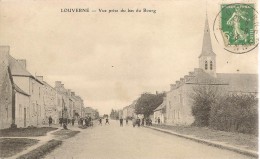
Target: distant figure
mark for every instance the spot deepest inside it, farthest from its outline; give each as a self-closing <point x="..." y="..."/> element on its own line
<point x="107" y="122"/>
<point x="126" y="121"/>
<point x="121" y="121"/>
<point x="72" y="121"/>
<point x="60" y="121"/>
<point x="159" y="121"/>
<point x="65" y="119"/>
<point x="142" y="121"/>
<point x="50" y="121"/>
<point x="138" y="122"/>
<point x="100" y="121"/>
<point x="134" y="122"/>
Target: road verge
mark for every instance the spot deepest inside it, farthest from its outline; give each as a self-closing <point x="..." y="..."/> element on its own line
<point x="210" y="143"/>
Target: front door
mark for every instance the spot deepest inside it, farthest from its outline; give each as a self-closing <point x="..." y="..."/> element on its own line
<point x="24" y="117"/>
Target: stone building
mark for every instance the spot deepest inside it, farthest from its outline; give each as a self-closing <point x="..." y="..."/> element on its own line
<point x="129" y="111"/>
<point x="160" y="112"/>
<point x="178" y="99"/>
<point x="26" y="98"/>
<point x="65" y="101"/>
<point x="6" y="90"/>
<point x="51" y="105"/>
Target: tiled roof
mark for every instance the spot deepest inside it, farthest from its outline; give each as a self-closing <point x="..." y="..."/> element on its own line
<point x="201" y="77"/>
<point x="160" y="107"/>
<point x="20" y="90"/>
<point x="240" y="82"/>
<point x="18" y="70"/>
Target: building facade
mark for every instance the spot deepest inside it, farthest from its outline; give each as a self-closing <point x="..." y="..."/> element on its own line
<point x="178" y="99"/>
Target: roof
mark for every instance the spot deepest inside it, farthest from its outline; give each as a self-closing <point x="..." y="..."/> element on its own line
<point x="160" y="107"/>
<point x="20" y="90"/>
<point x="18" y="70"/>
<point x="240" y="82"/>
<point x="202" y="77"/>
<point x="206" y="45"/>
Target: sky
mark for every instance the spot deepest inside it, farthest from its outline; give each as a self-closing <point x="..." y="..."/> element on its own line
<point x="110" y="59"/>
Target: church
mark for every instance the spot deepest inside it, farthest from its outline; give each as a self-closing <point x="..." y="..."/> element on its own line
<point x="178" y="100"/>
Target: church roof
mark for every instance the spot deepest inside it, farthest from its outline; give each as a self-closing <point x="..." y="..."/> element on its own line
<point x="240" y="82"/>
<point x="201" y="77"/>
<point x="206" y="45"/>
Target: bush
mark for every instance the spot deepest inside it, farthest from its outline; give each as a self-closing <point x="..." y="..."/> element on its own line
<point x="203" y="97"/>
<point x="236" y="113"/>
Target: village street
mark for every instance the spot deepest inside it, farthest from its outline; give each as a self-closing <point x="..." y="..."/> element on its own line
<point x="115" y="142"/>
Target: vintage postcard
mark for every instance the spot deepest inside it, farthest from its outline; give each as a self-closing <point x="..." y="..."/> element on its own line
<point x="129" y="79"/>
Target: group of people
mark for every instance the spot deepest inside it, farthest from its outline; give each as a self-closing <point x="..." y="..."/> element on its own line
<point x="122" y="121"/>
<point x="87" y="121"/>
<point x="137" y="121"/>
<point x="100" y="121"/>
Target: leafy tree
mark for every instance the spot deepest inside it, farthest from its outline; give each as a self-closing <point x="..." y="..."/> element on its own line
<point x="236" y="113"/>
<point x="147" y="102"/>
<point x="203" y="97"/>
<point x="114" y="114"/>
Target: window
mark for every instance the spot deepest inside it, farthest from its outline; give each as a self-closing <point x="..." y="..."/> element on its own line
<point x="206" y="65"/>
<point x="211" y="65"/>
<point x="6" y="112"/>
<point x="20" y="110"/>
<point x="178" y="114"/>
<point x="174" y="114"/>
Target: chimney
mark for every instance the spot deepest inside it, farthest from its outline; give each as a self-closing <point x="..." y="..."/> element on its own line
<point x="57" y="83"/>
<point x="4" y="53"/>
<point x="72" y="93"/>
<point x="22" y="62"/>
<point x="173" y="86"/>
<point x="156" y="92"/>
<point x="40" y="78"/>
<point x="69" y="92"/>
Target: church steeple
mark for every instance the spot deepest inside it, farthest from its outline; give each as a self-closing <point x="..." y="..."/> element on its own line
<point x="207" y="58"/>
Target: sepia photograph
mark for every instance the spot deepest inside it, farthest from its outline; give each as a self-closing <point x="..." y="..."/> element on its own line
<point x="129" y="79"/>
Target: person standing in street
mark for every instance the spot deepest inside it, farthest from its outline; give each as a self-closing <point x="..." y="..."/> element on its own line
<point x="126" y="121"/>
<point x="100" y="121"/>
<point x="121" y="121"/>
<point x="159" y="121"/>
<point x="107" y="122"/>
<point x="72" y="121"/>
<point x="65" y="119"/>
<point x="50" y="120"/>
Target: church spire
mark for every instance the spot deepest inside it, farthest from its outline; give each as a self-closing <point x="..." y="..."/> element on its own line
<point x="206" y="45"/>
<point x="207" y="58"/>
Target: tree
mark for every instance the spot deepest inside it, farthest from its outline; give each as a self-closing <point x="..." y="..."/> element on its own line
<point x="203" y="96"/>
<point x="114" y="114"/>
<point x="147" y="102"/>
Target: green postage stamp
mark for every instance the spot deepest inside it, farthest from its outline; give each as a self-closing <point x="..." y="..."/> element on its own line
<point x="237" y="24"/>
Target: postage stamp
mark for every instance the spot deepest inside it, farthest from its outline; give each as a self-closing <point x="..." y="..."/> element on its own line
<point x="235" y="27"/>
<point x="237" y="23"/>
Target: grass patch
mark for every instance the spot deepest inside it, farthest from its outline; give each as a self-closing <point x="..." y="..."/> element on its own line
<point x="64" y="134"/>
<point x="236" y="139"/>
<point x="10" y="147"/>
<point x="25" y="132"/>
<point x="42" y="150"/>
